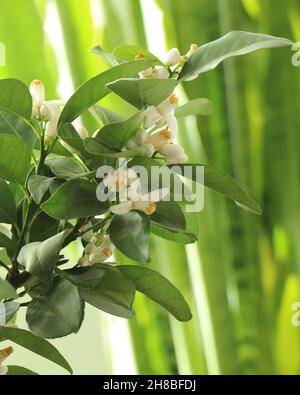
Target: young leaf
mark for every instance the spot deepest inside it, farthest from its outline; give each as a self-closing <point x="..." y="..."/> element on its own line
<point x="182" y="237"/>
<point x="38" y="186"/>
<point x="159" y="289"/>
<point x="114" y="293"/>
<point x="12" y="124"/>
<point x="8" y="210"/>
<point x="7" y="311"/>
<point x="143" y="92"/>
<point x="73" y="199"/>
<point x="109" y="57"/>
<point x="15" y="157"/>
<point x="6" y="290"/>
<point x="57" y="312"/>
<point x="169" y="215"/>
<point x="130" y="233"/>
<point x="116" y="135"/>
<point x="35" y="344"/>
<point x="200" y="106"/>
<point x="40" y="258"/>
<point x="129" y="52"/>
<point x="235" y="43"/>
<point x="15" y="96"/>
<point x="95" y="89"/>
<point x="221" y="182"/>
<point x="19" y="371"/>
<point x="65" y="168"/>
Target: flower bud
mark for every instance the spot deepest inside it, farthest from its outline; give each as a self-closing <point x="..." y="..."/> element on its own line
<point x="173" y="154"/>
<point x="173" y="57"/>
<point x="88" y="233"/>
<point x="37" y="91"/>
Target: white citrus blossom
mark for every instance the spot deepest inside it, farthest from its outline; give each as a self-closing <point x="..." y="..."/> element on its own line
<point x="3" y="355"/>
<point x="97" y="254"/>
<point x="173" y="57"/>
<point x="120" y="180"/>
<point x="173" y="154"/>
<point x="159" y="72"/>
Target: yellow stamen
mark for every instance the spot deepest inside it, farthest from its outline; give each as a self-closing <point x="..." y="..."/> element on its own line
<point x="151" y="208"/>
<point x="107" y="252"/>
<point x="37" y="82"/>
<point x="139" y="56"/>
<point x="165" y="133"/>
<point x="5" y="353"/>
<point x="173" y="99"/>
<point x="193" y="47"/>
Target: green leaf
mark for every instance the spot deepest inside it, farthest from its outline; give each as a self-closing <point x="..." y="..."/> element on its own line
<point x="116" y="135"/>
<point x="43" y="227"/>
<point x="15" y="96"/>
<point x="83" y="277"/>
<point x="95" y="147"/>
<point x="142" y="92"/>
<point x="38" y="186"/>
<point x="109" y="57"/>
<point x="218" y="180"/>
<point x="177" y="237"/>
<point x="6" y="290"/>
<point x="200" y="106"/>
<point x="13" y="124"/>
<point x="65" y="168"/>
<point x="56" y="313"/>
<point x="73" y="199"/>
<point x="15" y="158"/>
<point x="19" y="371"/>
<point x="104" y="115"/>
<point x="95" y="89"/>
<point x="7" y="311"/>
<point x="159" y="289"/>
<point x="7" y="243"/>
<point x="40" y="258"/>
<point x="69" y="134"/>
<point x="130" y="234"/>
<point x="35" y="344"/>
<point x="169" y="215"/>
<point x="129" y="52"/>
<point x="114" y="293"/>
<point x="8" y="210"/>
<point x="235" y="43"/>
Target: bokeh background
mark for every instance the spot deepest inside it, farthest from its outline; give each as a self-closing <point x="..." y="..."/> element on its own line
<point x="242" y="277"/>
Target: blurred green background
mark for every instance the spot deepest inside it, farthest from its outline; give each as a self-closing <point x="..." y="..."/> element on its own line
<point x="242" y="277"/>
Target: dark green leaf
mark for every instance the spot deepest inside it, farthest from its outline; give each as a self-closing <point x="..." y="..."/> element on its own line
<point x="104" y="115"/>
<point x="142" y="92"/>
<point x="75" y="198"/>
<point x="13" y="124"/>
<point x="15" y="158"/>
<point x="116" y="135"/>
<point x="130" y="233"/>
<point x="159" y="289"/>
<point x="234" y="43"/>
<point x="95" y="147"/>
<point x="15" y="96"/>
<point x="6" y="290"/>
<point x="43" y="227"/>
<point x="35" y="344"/>
<point x="169" y="215"/>
<point x="8" y="210"/>
<point x="65" y="168"/>
<point x="69" y="134"/>
<point x="56" y="313"/>
<point x="95" y="89"/>
<point x="177" y="237"/>
<point x="84" y="277"/>
<point x="40" y="258"/>
<point x="20" y="371"/>
<point x="114" y="293"/>
<point x="38" y="186"/>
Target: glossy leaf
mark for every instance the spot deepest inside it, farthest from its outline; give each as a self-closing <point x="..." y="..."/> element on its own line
<point x="13" y="124"/>
<point x="130" y="233"/>
<point x="104" y="115"/>
<point x="8" y="210"/>
<point x="6" y="289"/>
<point x="14" y="370"/>
<point x="7" y="311"/>
<point x="142" y="92"/>
<point x="65" y="168"/>
<point x="114" y="293"/>
<point x="40" y="258"/>
<point x="15" y="96"/>
<point x="35" y="344"/>
<point x="57" y="312"/>
<point x="235" y="43"/>
<point x="159" y="289"/>
<point x="95" y="89"/>
<point x="38" y="187"/>
<point x="169" y="215"/>
<point x="73" y="199"/>
<point x="14" y="158"/>
<point x="129" y="52"/>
